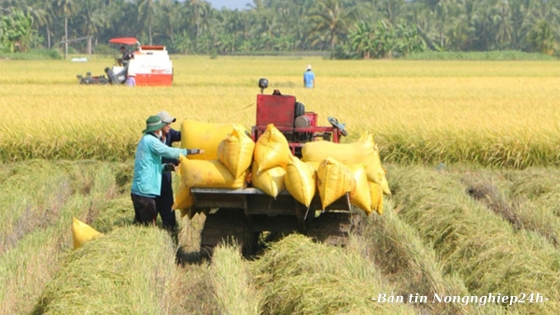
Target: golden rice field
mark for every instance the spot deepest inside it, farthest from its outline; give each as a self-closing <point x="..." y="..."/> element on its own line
<point x="502" y="113"/>
<point x="454" y="238"/>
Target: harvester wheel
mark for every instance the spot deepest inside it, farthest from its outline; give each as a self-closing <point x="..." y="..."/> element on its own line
<point x="334" y="228"/>
<point x="227" y="226"/>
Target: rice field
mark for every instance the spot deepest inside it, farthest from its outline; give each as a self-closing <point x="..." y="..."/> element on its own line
<point x="489" y="113"/>
<point x="471" y="151"/>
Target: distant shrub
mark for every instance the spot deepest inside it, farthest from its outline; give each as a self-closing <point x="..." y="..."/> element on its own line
<point x="102" y="49"/>
<point x="479" y="55"/>
<point x="34" y="54"/>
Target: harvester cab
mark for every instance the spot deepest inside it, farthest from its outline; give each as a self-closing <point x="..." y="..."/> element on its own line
<point x="290" y="117"/>
<point x="151" y="65"/>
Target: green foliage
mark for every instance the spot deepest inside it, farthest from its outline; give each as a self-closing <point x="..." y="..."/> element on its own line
<point x="16" y="31"/>
<point x="542" y="39"/>
<point x="213" y="54"/>
<point x="479" y="55"/>
<point x="34" y="54"/>
<point x="103" y="49"/>
<point x="385" y="40"/>
<point x="295" y="25"/>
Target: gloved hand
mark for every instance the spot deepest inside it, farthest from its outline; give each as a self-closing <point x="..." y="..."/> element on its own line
<point x="195" y="151"/>
<point x="169" y="167"/>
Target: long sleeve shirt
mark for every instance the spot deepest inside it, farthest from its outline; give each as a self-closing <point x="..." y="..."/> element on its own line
<point x="148" y="167"/>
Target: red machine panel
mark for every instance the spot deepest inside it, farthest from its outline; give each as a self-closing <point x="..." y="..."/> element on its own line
<point x="312" y="117"/>
<point x="275" y="109"/>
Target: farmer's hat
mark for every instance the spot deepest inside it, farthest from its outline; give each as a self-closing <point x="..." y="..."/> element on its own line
<point x="308" y="67"/>
<point x="165" y="117"/>
<point x="153" y="123"/>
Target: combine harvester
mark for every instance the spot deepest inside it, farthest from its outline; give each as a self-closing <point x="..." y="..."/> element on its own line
<point x="243" y="213"/>
<point x="151" y="65"/>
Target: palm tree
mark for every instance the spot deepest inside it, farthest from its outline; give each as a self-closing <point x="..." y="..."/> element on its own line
<point x="541" y="38"/>
<point x="146" y="12"/>
<point x="196" y="7"/>
<point x="502" y="22"/>
<point x="519" y="20"/>
<point x="169" y="17"/>
<point x="331" y="18"/>
<point x="92" y="17"/>
<point x="67" y="8"/>
<point x="40" y="11"/>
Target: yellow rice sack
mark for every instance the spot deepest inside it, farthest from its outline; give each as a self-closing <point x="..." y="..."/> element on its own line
<point x="208" y="174"/>
<point x="183" y="198"/>
<point x="300" y="181"/>
<point x="333" y="181"/>
<point x="314" y="165"/>
<point x="236" y="151"/>
<point x="361" y="195"/>
<point x="376" y="197"/>
<point x="82" y="233"/>
<point x="359" y="152"/>
<point x="271" y="149"/>
<point x="206" y="136"/>
<point x="385" y="185"/>
<point x="374" y="170"/>
<point x="270" y="181"/>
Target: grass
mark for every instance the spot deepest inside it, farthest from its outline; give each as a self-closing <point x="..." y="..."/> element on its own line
<point x="474" y="243"/>
<point x="412" y="266"/>
<point x="300" y="277"/>
<point x="127" y="271"/>
<point x="435" y="237"/>
<point x="233" y="290"/>
<point x="39" y="199"/>
<point x="420" y="112"/>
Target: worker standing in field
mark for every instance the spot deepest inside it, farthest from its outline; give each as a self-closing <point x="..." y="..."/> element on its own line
<point x="309" y="78"/>
<point x="148" y="169"/>
<point x="164" y="201"/>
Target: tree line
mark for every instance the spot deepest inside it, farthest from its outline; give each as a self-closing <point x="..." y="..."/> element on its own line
<point x="345" y="28"/>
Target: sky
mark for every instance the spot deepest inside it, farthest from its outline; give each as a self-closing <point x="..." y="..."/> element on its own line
<point x="230" y="4"/>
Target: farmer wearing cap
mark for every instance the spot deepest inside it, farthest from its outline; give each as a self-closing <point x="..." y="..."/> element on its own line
<point x="148" y="169"/>
<point x="309" y="78"/>
<point x="164" y="201"/>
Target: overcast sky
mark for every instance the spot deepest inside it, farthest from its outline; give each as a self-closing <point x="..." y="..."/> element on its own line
<point x="230" y="4"/>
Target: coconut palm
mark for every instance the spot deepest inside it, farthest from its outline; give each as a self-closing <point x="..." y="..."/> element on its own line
<point x="542" y="38"/>
<point x="146" y="12"/>
<point x="331" y="18"/>
<point x="67" y="8"/>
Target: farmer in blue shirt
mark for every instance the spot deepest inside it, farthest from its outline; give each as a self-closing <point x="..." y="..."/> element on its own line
<point x="164" y="201"/>
<point x="148" y="169"/>
<point x="309" y="78"/>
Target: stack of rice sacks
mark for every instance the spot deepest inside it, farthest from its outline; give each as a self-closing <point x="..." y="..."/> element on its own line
<point x="225" y="163"/>
<point x="333" y="169"/>
<point x="353" y="167"/>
